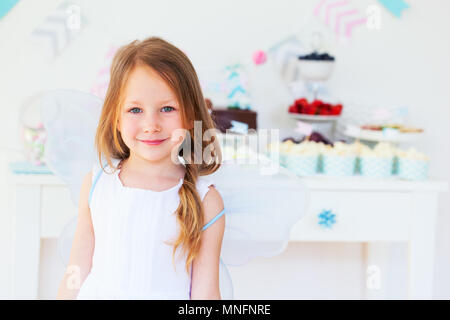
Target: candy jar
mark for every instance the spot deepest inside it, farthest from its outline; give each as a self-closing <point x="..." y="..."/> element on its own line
<point x="32" y="131"/>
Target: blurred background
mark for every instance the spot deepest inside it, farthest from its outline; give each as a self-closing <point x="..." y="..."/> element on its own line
<point x="387" y="65"/>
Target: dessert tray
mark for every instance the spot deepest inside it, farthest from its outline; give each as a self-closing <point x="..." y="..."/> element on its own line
<point x="386" y="134"/>
<point x="309" y="117"/>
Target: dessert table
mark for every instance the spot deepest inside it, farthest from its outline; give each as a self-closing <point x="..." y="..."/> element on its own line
<point x="354" y="209"/>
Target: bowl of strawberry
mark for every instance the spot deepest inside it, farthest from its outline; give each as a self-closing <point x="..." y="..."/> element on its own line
<point x="315" y="108"/>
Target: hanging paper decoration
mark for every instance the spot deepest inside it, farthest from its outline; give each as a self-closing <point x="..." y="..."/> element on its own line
<point x="396" y="7"/>
<point x="58" y="29"/>
<point x="6" y="6"/>
<point x="341" y="16"/>
<point x="237" y="93"/>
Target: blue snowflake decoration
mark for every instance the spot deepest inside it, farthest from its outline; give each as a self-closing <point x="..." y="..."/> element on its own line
<point x="327" y="219"/>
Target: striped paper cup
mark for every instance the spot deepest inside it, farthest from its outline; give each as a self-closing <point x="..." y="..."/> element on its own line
<point x="302" y="165"/>
<point x="412" y="169"/>
<point x="395" y="166"/>
<point x="320" y="163"/>
<point x="376" y="167"/>
<point x="335" y="165"/>
<point x="358" y="165"/>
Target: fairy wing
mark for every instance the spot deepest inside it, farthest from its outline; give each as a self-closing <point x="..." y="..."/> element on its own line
<point x="260" y="210"/>
<point x="70" y="119"/>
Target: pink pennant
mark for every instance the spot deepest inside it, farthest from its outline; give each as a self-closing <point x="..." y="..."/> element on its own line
<point x="340" y="16"/>
<point x="318" y="7"/>
<point x="349" y="27"/>
<point x="331" y="6"/>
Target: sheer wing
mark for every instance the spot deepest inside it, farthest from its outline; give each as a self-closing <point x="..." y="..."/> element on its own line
<point x="70" y="119"/>
<point x="260" y="210"/>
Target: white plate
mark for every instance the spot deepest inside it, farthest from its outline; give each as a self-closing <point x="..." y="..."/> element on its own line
<point x="374" y="135"/>
<point x="310" y="117"/>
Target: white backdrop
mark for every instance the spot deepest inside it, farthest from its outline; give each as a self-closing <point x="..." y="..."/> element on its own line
<point x="405" y="63"/>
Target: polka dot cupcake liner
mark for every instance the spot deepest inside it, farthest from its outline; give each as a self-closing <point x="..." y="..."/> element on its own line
<point x="338" y="165"/>
<point x="376" y="167"/>
<point x="412" y="169"/>
<point x="302" y="165"/>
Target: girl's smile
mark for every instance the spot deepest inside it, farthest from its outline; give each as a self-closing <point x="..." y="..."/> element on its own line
<point x="153" y="142"/>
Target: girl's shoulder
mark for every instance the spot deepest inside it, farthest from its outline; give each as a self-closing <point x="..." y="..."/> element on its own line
<point x="98" y="169"/>
<point x="203" y="184"/>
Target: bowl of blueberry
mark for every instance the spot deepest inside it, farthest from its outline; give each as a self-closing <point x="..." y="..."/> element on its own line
<point x="316" y="66"/>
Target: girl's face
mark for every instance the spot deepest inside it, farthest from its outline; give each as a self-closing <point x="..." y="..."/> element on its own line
<point x="150" y="112"/>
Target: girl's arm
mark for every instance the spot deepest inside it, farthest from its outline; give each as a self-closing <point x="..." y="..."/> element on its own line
<point x="80" y="259"/>
<point x="205" y="273"/>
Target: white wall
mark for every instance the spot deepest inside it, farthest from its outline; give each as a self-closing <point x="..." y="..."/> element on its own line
<point x="404" y="63"/>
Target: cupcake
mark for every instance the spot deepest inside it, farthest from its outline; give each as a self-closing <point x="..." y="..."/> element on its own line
<point x="302" y="158"/>
<point x="277" y="151"/>
<point x="412" y="165"/>
<point x="377" y="162"/>
<point x="339" y="160"/>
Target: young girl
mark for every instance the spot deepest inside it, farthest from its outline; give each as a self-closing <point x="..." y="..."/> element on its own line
<point x="149" y="227"/>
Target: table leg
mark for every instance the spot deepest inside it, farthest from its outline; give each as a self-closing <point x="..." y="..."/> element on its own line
<point x="421" y="246"/>
<point x="376" y="263"/>
<point x="26" y="242"/>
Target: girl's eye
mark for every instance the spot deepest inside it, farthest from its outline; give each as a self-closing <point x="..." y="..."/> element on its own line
<point x="168" y="110"/>
<point x="135" y="108"/>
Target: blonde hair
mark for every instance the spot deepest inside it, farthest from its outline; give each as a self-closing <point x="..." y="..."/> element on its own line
<point x="177" y="70"/>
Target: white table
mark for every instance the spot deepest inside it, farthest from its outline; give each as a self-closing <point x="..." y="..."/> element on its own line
<point x="374" y="212"/>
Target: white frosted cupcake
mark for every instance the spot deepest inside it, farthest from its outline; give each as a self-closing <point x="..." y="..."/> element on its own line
<point x="302" y="158"/>
<point x="277" y="151"/>
<point x="377" y="162"/>
<point x="339" y="159"/>
<point x="412" y="164"/>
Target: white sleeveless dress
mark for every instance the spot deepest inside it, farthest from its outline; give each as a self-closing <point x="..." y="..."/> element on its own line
<point x="131" y="260"/>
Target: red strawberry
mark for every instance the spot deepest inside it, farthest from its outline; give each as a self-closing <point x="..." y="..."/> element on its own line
<point x="324" y="112"/>
<point x="293" y="109"/>
<point x="336" y="109"/>
<point x="313" y="109"/>
<point x="309" y="110"/>
<point x="327" y="107"/>
<point x="316" y="110"/>
<point x="301" y="102"/>
<point x="301" y="108"/>
<point x="317" y="103"/>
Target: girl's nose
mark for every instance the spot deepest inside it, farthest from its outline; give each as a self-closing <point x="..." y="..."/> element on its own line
<point x="152" y="130"/>
<point x="151" y="124"/>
